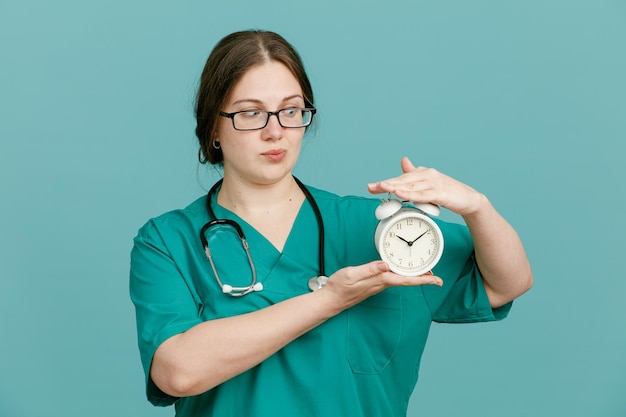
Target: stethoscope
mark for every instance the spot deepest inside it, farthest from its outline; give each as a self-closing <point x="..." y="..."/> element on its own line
<point x="314" y="283"/>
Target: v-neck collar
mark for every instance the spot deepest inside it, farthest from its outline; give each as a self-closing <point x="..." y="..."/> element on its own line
<point x="265" y="250"/>
<point x="249" y="230"/>
<point x="300" y="245"/>
<point x="223" y="212"/>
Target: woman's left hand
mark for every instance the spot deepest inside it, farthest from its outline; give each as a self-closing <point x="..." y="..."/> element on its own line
<point x="498" y="250"/>
<point x="427" y="185"/>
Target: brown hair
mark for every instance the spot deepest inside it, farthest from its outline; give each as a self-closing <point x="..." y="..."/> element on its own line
<point x="228" y="62"/>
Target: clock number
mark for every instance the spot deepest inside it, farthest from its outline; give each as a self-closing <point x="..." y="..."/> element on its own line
<point x="409" y="222"/>
<point x="398" y="226"/>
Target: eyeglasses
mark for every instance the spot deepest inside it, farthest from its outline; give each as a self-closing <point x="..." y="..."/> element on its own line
<point x="258" y="119"/>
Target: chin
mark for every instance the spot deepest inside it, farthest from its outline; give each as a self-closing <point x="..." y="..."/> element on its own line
<point x="273" y="176"/>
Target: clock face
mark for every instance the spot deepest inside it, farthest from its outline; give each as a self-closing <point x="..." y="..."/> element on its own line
<point x="411" y="244"/>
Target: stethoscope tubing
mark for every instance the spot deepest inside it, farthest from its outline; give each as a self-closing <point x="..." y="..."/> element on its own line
<point x="214" y="221"/>
<point x="320" y="227"/>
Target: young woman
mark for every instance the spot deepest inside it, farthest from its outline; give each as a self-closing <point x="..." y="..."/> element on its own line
<point x="227" y="324"/>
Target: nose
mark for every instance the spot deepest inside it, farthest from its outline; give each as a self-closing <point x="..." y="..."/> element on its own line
<point x="273" y="130"/>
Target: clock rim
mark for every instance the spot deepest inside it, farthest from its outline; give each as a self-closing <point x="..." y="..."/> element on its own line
<point x="402" y="214"/>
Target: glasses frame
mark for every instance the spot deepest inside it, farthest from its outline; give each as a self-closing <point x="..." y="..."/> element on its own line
<point x="276" y="113"/>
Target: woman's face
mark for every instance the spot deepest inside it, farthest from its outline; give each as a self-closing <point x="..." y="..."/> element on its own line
<point x="267" y="155"/>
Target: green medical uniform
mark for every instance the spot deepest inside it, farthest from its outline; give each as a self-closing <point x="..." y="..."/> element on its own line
<point x="362" y="362"/>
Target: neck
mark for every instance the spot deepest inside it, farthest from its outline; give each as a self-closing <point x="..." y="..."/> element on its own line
<point x="245" y="198"/>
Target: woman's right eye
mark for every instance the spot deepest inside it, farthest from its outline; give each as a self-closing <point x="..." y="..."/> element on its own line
<point x="250" y="114"/>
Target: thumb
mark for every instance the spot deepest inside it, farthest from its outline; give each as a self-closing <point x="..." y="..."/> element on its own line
<point x="406" y="164"/>
<point x="375" y="267"/>
<point x="368" y="270"/>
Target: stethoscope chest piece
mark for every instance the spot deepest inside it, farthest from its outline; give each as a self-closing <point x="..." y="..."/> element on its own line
<point x="317" y="283"/>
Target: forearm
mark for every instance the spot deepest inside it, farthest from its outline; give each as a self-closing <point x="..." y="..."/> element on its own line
<point x="214" y="351"/>
<point x="499" y="253"/>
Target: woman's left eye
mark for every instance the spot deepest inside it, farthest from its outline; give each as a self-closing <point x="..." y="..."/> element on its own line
<point x="290" y="112"/>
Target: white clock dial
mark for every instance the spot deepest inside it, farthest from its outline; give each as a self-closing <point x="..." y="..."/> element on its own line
<point x="410" y="243"/>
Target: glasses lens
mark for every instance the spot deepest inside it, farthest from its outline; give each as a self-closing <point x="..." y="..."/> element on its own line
<point x="295" y="117"/>
<point x="250" y="120"/>
<point x="257" y="119"/>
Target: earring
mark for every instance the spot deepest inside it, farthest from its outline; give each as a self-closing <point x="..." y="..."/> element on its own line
<point x="216" y="144"/>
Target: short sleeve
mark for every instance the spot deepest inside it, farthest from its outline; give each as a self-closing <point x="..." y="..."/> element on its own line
<point x="164" y="304"/>
<point x="463" y="298"/>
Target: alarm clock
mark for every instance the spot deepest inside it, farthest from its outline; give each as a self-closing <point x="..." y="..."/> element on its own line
<point x="406" y="238"/>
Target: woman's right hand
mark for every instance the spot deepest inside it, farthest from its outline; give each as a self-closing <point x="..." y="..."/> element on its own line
<point x="351" y="285"/>
<point x="214" y="351"/>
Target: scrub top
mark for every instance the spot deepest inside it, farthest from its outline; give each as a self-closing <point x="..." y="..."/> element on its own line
<point x="362" y="362"/>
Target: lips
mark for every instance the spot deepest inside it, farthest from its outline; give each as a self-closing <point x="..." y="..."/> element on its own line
<point x="275" y="154"/>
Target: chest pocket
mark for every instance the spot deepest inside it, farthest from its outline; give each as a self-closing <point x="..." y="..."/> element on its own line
<point x="374" y="330"/>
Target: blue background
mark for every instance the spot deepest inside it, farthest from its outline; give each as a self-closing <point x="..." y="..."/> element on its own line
<point x="525" y="101"/>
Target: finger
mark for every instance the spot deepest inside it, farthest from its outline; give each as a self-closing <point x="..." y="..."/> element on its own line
<point x="407" y="190"/>
<point x="358" y="273"/>
<point x="416" y="194"/>
<point x="406" y="181"/>
<point x="391" y="184"/>
<point x="376" y="187"/>
<point x="376" y="267"/>
<point x="407" y="165"/>
<point x="381" y="270"/>
<point x="387" y="185"/>
<point x="403" y="281"/>
<point x="381" y="187"/>
<point x="412" y="177"/>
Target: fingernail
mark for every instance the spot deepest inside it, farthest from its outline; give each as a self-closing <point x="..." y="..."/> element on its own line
<point x="382" y="267"/>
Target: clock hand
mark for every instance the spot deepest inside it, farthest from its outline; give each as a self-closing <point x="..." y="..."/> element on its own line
<point x="404" y="240"/>
<point x="414" y="240"/>
<point x="408" y="243"/>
